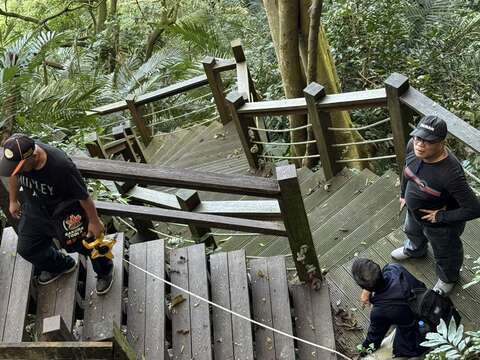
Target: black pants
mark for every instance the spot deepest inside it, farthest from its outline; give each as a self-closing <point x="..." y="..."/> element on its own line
<point x="446" y="244"/>
<point x="35" y="244"/>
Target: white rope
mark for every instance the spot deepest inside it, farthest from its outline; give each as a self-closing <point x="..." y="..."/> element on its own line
<point x="233" y="234"/>
<point x="172" y="236"/>
<point x="367" y="159"/>
<point x="360" y="127"/>
<point x="363" y="142"/>
<point x="237" y="314"/>
<point x="280" y="130"/>
<point x="186" y="128"/>
<point x="178" y="105"/>
<point x="284" y="144"/>
<point x="181" y="116"/>
<point x="288" y="157"/>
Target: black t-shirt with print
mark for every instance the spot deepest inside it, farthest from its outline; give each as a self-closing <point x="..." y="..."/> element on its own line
<point x="435" y="185"/>
<point x="57" y="181"/>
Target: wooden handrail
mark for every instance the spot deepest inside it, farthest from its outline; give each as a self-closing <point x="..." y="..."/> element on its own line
<point x="334" y="102"/>
<point x="460" y="129"/>
<point x="146" y="174"/>
<point x="185" y="217"/>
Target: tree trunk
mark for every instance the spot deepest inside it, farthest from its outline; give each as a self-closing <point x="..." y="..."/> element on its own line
<point x="112" y="15"/>
<point x="9" y="111"/>
<point x="101" y="15"/>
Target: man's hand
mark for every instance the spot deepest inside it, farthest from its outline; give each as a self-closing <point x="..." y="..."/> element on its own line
<point x="95" y="229"/>
<point x="402" y="203"/>
<point x="365" y="297"/>
<point x="15" y="209"/>
<point x="431" y="214"/>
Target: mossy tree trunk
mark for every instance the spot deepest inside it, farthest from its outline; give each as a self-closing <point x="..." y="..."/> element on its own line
<point x="289" y="22"/>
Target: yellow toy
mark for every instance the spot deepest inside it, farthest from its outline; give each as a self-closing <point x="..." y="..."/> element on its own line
<point x="101" y="246"/>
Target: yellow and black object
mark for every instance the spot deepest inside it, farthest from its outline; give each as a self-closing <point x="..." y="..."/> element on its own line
<point x="101" y="246"/>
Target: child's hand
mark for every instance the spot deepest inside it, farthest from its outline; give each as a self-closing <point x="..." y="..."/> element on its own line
<point x="365" y="297"/>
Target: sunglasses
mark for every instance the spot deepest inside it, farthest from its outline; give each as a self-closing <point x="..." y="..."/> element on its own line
<point x="428" y="142"/>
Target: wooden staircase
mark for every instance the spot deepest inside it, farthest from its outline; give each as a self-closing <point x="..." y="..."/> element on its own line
<point x="353" y="214"/>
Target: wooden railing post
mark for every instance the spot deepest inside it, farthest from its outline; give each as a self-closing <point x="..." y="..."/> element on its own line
<point x="400" y="115"/>
<point x="94" y="146"/>
<point x="320" y="121"/>
<point x="137" y="116"/>
<point x="296" y="224"/>
<point x="188" y="201"/>
<point x="246" y="135"/>
<point x="55" y="329"/>
<point x="217" y="88"/>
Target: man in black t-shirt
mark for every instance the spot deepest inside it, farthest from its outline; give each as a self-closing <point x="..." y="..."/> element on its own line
<point x="439" y="201"/>
<point x="47" y="177"/>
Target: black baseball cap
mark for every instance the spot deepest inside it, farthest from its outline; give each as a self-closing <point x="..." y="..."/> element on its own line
<point x="431" y="128"/>
<point x="16" y="149"/>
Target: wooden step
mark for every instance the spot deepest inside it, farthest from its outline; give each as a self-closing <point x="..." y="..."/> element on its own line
<point x="102" y="310"/>
<point x="15" y="277"/>
<point x="181" y="147"/>
<point x="58" y="298"/>
<point x="146" y="304"/>
<point x="270" y="299"/>
<point x="232" y="336"/>
<point x="190" y="316"/>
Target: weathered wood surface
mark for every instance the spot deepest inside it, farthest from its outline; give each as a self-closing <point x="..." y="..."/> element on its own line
<point x="146" y="304"/>
<point x="58" y="298"/>
<point x="313" y="321"/>
<point x="55" y="329"/>
<point x="102" y="310"/>
<point x="232" y="335"/>
<point x="333" y="102"/>
<point x="170" y="177"/>
<point x="270" y="301"/>
<point x="56" y="351"/>
<point x="217" y="87"/>
<point x="456" y="126"/>
<point x="15" y="276"/>
<point x="190" y="315"/>
<point x="182" y="217"/>
<point x="248" y="209"/>
<point x="400" y="115"/>
<point x="136" y="111"/>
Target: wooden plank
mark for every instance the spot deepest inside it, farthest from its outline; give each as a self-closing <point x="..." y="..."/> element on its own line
<point x="217" y="87"/>
<point x="58" y="298"/>
<point x="320" y="121"/>
<point x="239" y="300"/>
<point x="222" y="321"/>
<point x="313" y="321"/>
<point x="400" y="115"/>
<point x="199" y="310"/>
<point x="102" y="310"/>
<point x="171" y="90"/>
<point x="146" y="310"/>
<point x="56" y="350"/>
<point x="242" y="80"/>
<point x="182" y="217"/>
<point x="180" y="311"/>
<point x="108" y="108"/>
<point x="297" y="225"/>
<point x="163" y="176"/>
<point x="55" y="329"/>
<point x="224" y="65"/>
<point x="136" y="111"/>
<point x="333" y="102"/>
<point x="456" y="126"/>
<point x="13" y="299"/>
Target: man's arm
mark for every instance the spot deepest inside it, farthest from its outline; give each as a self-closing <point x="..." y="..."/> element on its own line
<point x="14" y="204"/>
<point x="95" y="225"/>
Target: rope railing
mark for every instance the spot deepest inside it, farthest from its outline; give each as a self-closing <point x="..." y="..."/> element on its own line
<point x="360" y="127"/>
<point x="180" y="116"/>
<point x="366" y="159"/>
<point x="288" y="157"/>
<point x="285" y="144"/>
<point x="363" y="142"/>
<point x="280" y="130"/>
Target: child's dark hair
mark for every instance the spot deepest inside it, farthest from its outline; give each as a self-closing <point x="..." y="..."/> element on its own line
<point x="367" y="274"/>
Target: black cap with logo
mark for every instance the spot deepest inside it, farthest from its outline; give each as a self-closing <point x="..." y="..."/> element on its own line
<point x="431" y="128"/>
<point x="16" y="149"/>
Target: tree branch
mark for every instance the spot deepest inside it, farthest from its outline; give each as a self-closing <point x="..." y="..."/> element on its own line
<point x="315" y="15"/>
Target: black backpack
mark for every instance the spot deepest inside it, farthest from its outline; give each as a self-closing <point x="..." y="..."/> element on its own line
<point x="429" y="306"/>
